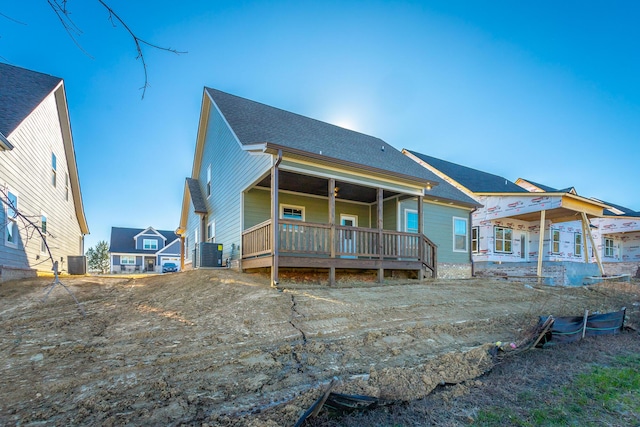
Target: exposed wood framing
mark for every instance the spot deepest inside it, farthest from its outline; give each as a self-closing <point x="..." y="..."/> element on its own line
<point x="593" y="243"/>
<point x="541" y="243"/>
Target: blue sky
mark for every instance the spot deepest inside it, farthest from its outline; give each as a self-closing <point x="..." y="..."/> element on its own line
<point x="548" y="91"/>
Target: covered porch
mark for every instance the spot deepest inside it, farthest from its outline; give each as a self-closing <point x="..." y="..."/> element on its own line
<point x="307" y="241"/>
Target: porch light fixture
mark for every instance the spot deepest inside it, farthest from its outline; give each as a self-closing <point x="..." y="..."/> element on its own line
<point x="428" y="187"/>
<point x="335" y="191"/>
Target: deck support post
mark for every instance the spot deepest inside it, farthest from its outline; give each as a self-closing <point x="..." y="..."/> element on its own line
<point x="380" y="234"/>
<point x="332" y="232"/>
<point x="422" y="272"/>
<point x="275" y="241"/>
<point x="541" y="244"/>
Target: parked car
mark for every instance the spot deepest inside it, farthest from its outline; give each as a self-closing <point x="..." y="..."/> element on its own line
<point x="169" y="267"/>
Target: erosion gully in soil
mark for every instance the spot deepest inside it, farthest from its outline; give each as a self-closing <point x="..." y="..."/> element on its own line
<point x="219" y="347"/>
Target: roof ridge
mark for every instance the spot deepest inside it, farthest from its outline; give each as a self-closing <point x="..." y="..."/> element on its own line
<point x="295" y="114"/>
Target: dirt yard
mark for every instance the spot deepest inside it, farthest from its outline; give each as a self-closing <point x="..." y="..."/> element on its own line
<point x="223" y="348"/>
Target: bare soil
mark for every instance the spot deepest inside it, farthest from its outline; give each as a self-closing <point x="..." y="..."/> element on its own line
<point x="216" y="347"/>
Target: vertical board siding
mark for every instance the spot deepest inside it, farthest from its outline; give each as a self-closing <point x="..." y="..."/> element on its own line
<point x="27" y="171"/>
<point x="257" y="208"/>
<point x="390" y="214"/>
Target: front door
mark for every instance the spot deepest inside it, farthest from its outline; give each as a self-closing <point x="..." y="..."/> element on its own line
<point x="347" y="237"/>
<point x="150" y="264"/>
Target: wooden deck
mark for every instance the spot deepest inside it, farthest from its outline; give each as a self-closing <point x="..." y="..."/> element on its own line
<point x="314" y="245"/>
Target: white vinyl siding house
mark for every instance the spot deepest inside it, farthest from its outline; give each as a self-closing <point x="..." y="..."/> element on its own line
<point x="42" y="151"/>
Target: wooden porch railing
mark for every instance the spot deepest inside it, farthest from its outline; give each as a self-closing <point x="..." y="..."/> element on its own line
<point x="356" y="242"/>
<point x="256" y="240"/>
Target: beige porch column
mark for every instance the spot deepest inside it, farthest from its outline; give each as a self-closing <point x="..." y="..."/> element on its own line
<point x="332" y="232"/>
<point x="585" y="230"/>
<point x="275" y="240"/>
<point x="541" y="243"/>
<point x="593" y="243"/>
<point x="380" y="235"/>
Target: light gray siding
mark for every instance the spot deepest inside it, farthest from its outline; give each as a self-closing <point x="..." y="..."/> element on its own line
<point x="438" y="227"/>
<point x="27" y="171"/>
<point x="257" y="207"/>
<point x="233" y="170"/>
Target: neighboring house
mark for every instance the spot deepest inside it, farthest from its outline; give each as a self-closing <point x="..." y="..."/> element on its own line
<point x="279" y="190"/>
<point x="514" y="225"/>
<point x="38" y="175"/>
<point x="142" y="250"/>
<point x="616" y="234"/>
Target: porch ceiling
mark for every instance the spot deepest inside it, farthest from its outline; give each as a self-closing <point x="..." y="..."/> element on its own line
<point x="306" y="184"/>
<point x="555" y="215"/>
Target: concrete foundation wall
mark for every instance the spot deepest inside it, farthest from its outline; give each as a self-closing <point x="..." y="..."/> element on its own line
<point x="617" y="268"/>
<point x="555" y="273"/>
<point x="8" y="273"/>
<point x="454" y="271"/>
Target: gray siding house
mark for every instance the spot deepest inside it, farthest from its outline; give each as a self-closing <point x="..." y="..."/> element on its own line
<point x="38" y="175"/>
<point x="280" y="190"/>
<point x="142" y="250"/>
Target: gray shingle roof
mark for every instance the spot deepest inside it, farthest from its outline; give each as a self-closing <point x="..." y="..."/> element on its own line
<point x="197" y="199"/>
<point x="21" y="91"/>
<point x="626" y="211"/>
<point x="548" y="189"/>
<point x="256" y="123"/>
<point x="473" y="179"/>
<point x="122" y="240"/>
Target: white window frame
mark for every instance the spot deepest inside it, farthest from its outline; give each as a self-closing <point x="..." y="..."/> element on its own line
<point x="292" y="207"/>
<point x="465" y="235"/>
<point x="54" y="167"/>
<point x="209" y="181"/>
<point x="44" y="224"/>
<point x="609" y="247"/>
<point x="12" y="221"/>
<point x="475" y="248"/>
<point x="554" y="242"/>
<point x="211" y="231"/>
<point x="503" y="240"/>
<point x="577" y="246"/>
<point x="407" y="212"/>
<point x="127" y="258"/>
<point x="154" y="241"/>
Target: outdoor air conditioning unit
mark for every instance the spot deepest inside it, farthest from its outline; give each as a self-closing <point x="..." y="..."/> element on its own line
<point x="77" y="265"/>
<point x="210" y="255"/>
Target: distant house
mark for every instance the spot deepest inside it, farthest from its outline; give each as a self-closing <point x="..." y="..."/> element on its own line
<point x="279" y="190"/>
<point x="616" y="234"/>
<point x="38" y="175"/>
<point x="518" y="232"/>
<point x="142" y="249"/>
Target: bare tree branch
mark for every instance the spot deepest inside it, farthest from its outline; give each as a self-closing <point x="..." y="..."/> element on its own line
<point x="31" y="229"/>
<point x="113" y="16"/>
<point x="12" y="19"/>
<point x="65" y="20"/>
